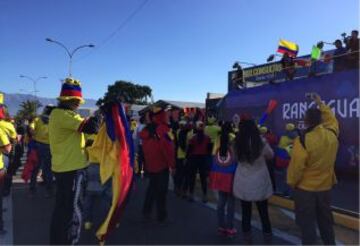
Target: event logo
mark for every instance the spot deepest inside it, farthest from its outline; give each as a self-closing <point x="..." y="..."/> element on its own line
<point x="345" y="108"/>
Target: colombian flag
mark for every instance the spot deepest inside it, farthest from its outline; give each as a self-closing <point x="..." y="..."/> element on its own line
<point x="222" y="172"/>
<point x="282" y="158"/>
<point x="114" y="150"/>
<point x="288" y="47"/>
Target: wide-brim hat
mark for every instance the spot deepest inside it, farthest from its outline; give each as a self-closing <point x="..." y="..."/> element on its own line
<point x="71" y="89"/>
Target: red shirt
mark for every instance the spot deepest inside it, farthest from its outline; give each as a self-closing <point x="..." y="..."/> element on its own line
<point x="159" y="152"/>
<point x="199" y="148"/>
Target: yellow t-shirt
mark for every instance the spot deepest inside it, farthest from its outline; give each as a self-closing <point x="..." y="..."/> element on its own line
<point x="212" y="131"/>
<point x="8" y="128"/>
<point x="4" y="140"/>
<point x="41" y="131"/>
<point x="67" y="144"/>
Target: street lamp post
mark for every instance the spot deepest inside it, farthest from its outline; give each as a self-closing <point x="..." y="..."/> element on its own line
<point x="70" y="53"/>
<point x="34" y="82"/>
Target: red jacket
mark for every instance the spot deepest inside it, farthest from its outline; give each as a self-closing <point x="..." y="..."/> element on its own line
<point x="159" y="151"/>
<point x="196" y="148"/>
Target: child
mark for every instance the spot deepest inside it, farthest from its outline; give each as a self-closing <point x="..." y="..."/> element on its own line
<point x="94" y="189"/>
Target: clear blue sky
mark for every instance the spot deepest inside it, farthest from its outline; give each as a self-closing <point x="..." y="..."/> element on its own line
<point x="180" y="48"/>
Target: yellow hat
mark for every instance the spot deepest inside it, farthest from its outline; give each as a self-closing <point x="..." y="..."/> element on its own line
<point x="290" y="127"/>
<point x="263" y="129"/>
<point x="71" y="89"/>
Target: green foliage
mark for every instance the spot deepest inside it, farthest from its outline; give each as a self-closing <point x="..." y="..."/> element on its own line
<point x="27" y="109"/>
<point x="126" y="92"/>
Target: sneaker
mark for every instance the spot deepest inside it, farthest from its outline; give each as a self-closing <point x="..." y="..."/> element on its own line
<point x="231" y="232"/>
<point x="221" y="231"/>
<point x="88" y="225"/>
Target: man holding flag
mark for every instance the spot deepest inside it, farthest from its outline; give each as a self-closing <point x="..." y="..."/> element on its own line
<point x="67" y="146"/>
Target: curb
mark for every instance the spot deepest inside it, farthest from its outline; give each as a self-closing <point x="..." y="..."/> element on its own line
<point x="350" y="222"/>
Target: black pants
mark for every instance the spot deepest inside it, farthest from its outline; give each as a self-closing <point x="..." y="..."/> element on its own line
<point x="313" y="208"/>
<point x="140" y="158"/>
<point x="262" y="207"/>
<point x="270" y="165"/>
<point x="14" y="164"/>
<point x="2" y="179"/>
<point x="199" y="164"/>
<point x="179" y="178"/>
<point x="156" y="193"/>
<point x="66" y="218"/>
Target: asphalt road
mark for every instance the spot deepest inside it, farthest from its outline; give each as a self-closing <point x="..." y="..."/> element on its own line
<point x="190" y="222"/>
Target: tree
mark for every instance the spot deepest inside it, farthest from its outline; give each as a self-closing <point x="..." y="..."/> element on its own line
<point x="28" y="109"/>
<point x="126" y="92"/>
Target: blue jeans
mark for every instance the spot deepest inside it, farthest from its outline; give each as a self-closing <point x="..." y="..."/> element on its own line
<point x="44" y="155"/>
<point x="104" y="197"/>
<point x="228" y="199"/>
<point x="281" y="186"/>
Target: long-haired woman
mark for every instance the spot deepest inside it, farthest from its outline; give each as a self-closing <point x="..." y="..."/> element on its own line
<point x="252" y="181"/>
<point x="222" y="177"/>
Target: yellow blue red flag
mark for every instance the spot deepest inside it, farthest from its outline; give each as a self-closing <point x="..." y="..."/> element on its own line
<point x="114" y="150"/>
<point x="288" y="47"/>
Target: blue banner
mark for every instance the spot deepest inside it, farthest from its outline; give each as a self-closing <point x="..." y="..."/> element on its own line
<point x="339" y="90"/>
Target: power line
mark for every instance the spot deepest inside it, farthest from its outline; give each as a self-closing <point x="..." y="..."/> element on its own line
<point x="121" y="26"/>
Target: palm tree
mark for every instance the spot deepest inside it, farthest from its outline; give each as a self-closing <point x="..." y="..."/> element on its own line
<point x="28" y="109"/>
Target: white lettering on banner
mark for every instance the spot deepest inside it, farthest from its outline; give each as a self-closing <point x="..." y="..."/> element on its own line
<point x="342" y="111"/>
<point x="355" y="108"/>
<point x="302" y="109"/>
<point x="344" y="108"/>
<point x="285" y="110"/>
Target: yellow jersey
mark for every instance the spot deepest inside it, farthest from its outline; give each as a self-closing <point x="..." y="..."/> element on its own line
<point x="41" y="131"/>
<point x="8" y="128"/>
<point x="4" y="140"/>
<point x="312" y="168"/>
<point x="67" y="144"/>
